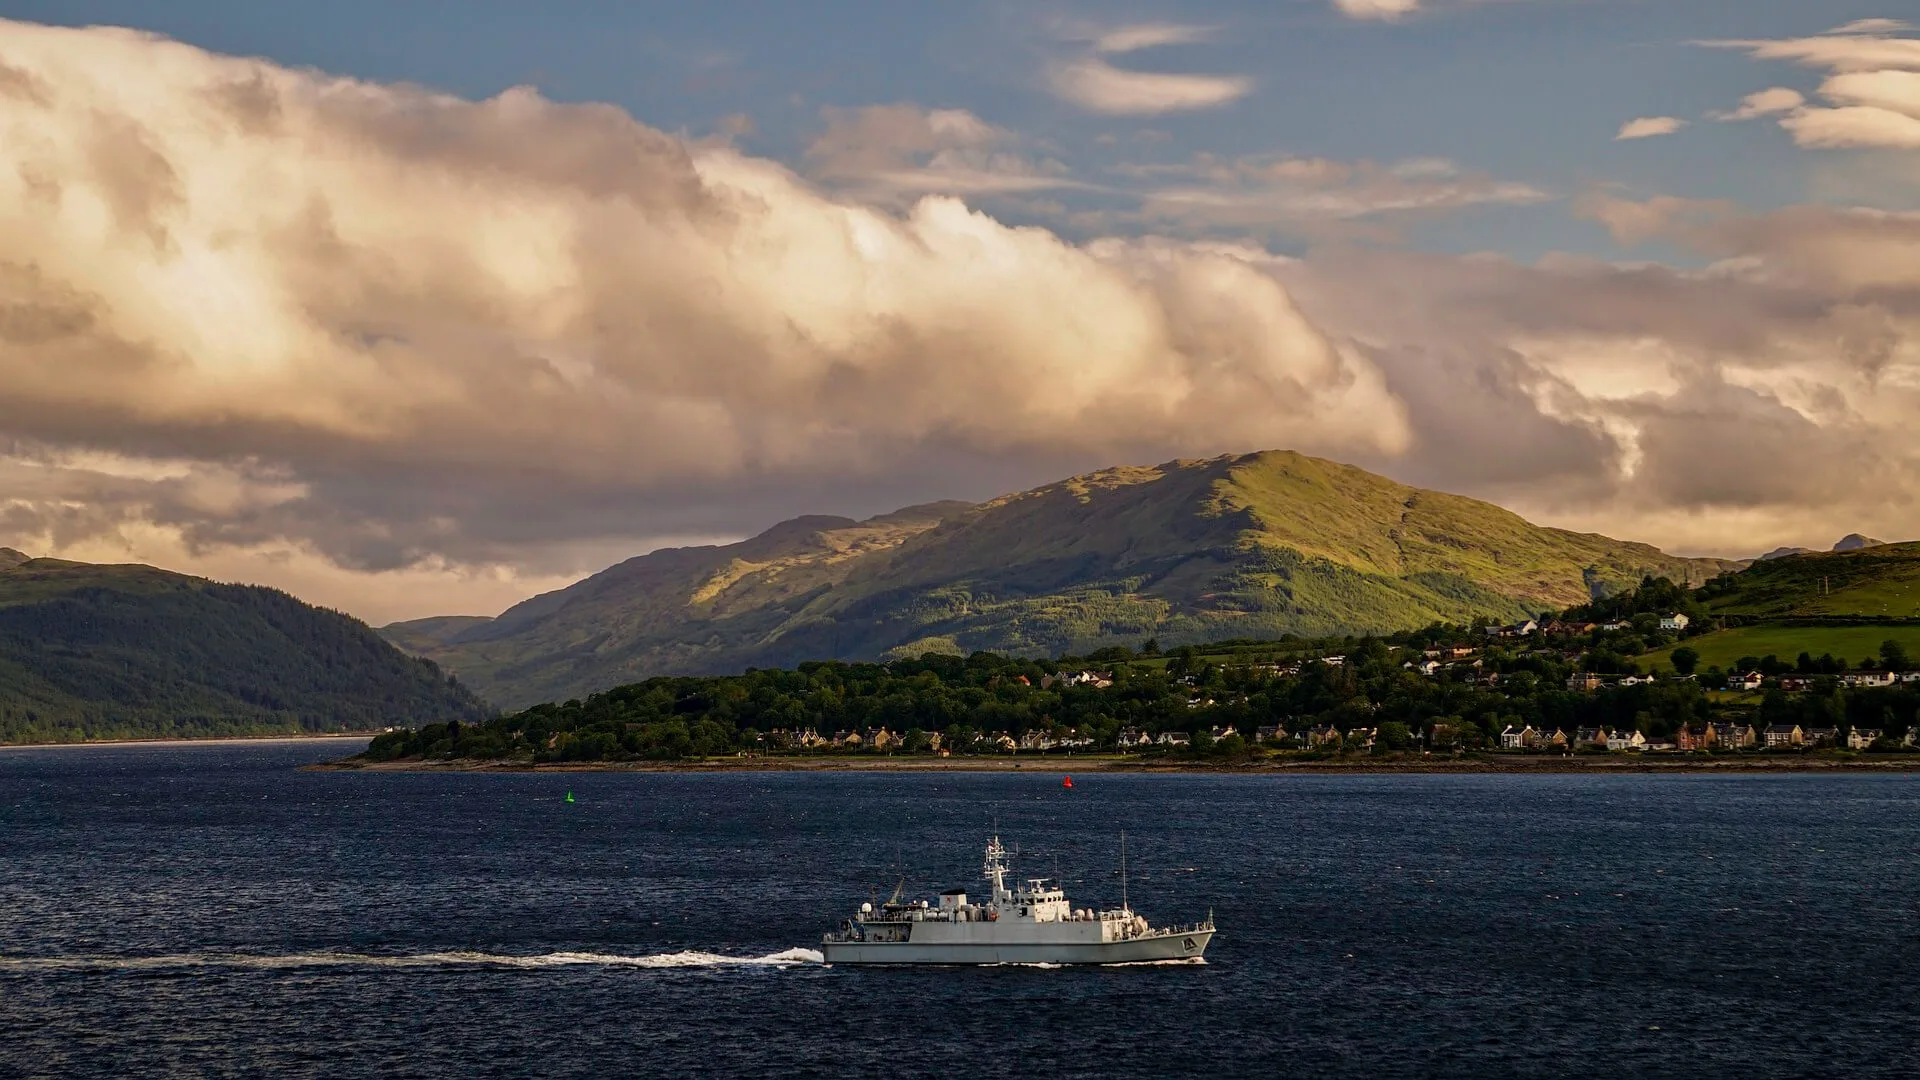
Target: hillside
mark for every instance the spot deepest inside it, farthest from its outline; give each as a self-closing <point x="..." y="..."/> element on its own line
<point x="1876" y="582"/>
<point x="125" y="651"/>
<point x="1257" y="545"/>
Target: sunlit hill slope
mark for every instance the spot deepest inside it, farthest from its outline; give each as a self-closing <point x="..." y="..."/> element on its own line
<point x="1256" y="545"/>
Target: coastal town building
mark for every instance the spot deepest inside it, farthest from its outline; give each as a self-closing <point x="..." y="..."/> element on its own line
<point x="1779" y="736"/>
<point x="1626" y="739"/>
<point x="1734" y="736"/>
<point x="1691" y="737"/>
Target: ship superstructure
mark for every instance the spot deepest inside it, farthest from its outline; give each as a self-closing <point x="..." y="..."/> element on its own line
<point x="1027" y="922"/>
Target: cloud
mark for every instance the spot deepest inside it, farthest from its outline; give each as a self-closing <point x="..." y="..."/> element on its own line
<point x="890" y="152"/>
<point x="1376" y="9"/>
<point x="1872" y="89"/>
<point x="406" y="353"/>
<point x="1872" y="26"/>
<point x="395" y="332"/>
<point x="1394" y="10"/>
<point x="1276" y="190"/>
<point x="1779" y="99"/>
<point x="1633" y="222"/>
<point x="1139" y="36"/>
<point x="1647" y="127"/>
<point x="1096" y="85"/>
<point x="1091" y="82"/>
<point x="1762" y="398"/>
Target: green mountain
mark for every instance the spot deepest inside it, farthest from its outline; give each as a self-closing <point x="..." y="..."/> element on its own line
<point x="126" y="651"/>
<point x="1253" y="546"/>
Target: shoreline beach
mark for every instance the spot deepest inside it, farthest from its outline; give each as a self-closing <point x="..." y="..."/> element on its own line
<point x="1516" y="764"/>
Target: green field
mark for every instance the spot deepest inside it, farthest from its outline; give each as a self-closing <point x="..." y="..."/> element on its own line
<point x="1853" y="643"/>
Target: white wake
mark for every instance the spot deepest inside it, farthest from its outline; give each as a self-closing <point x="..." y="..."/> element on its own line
<point x="685" y="959"/>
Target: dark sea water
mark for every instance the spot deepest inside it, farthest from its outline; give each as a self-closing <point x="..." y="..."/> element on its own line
<point x="208" y="911"/>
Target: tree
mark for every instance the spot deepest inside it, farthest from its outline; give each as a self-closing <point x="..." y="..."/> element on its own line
<point x="1686" y="659"/>
<point x="1893" y="655"/>
<point x="1395" y="735"/>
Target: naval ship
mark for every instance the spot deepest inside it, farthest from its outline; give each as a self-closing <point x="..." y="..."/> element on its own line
<point x="1029" y="923"/>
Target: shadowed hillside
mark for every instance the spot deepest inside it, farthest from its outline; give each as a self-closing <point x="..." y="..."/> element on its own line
<point x="90" y="652"/>
<point x="1258" y="545"/>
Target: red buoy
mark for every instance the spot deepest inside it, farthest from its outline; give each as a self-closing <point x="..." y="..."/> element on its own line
<point x="1067" y="782"/>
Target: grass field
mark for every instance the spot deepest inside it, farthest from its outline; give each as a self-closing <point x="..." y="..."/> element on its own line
<point x="1854" y="643"/>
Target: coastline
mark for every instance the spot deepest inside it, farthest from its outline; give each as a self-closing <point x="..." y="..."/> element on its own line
<point x="223" y="740"/>
<point x="1516" y="764"/>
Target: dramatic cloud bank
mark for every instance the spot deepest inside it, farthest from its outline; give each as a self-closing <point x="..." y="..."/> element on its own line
<point x="404" y="353"/>
<point x="255" y="308"/>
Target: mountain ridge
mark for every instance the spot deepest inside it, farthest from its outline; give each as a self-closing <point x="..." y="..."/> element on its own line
<point x="126" y="650"/>
<point x="1188" y="550"/>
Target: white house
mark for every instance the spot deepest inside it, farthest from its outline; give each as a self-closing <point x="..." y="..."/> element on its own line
<point x="1868" y="678"/>
<point x="1674" y="622"/>
<point x="1860" y="738"/>
<point x="1626" y="739"/>
<point x="1746" y="680"/>
<point x="1515" y="738"/>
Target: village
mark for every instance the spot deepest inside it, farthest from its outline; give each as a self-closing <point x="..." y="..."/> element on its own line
<point x="1520" y="651"/>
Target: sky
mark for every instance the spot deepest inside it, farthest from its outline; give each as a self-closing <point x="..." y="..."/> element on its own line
<point x="422" y="307"/>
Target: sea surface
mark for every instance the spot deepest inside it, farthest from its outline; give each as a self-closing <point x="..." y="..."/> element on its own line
<point x="210" y="911"/>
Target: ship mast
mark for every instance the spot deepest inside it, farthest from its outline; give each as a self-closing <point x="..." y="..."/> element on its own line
<point x="995" y="869"/>
<point x="1124" y="906"/>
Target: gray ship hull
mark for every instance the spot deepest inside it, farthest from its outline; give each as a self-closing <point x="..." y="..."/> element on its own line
<point x="1190" y="945"/>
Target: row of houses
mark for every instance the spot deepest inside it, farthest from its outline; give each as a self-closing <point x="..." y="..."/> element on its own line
<point x="1528" y="737"/>
<point x="809" y="739"/>
<point x="1853" y="680"/>
<point x="1672" y="623"/>
<point x="1728" y="735"/>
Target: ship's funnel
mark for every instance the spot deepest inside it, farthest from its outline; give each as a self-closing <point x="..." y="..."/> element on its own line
<point x="953" y="899"/>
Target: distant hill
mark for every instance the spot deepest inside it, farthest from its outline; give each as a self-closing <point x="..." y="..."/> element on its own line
<point x="127" y="651"/>
<point x="1849" y="542"/>
<point x="1189" y="551"/>
<point x="1856" y="542"/>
